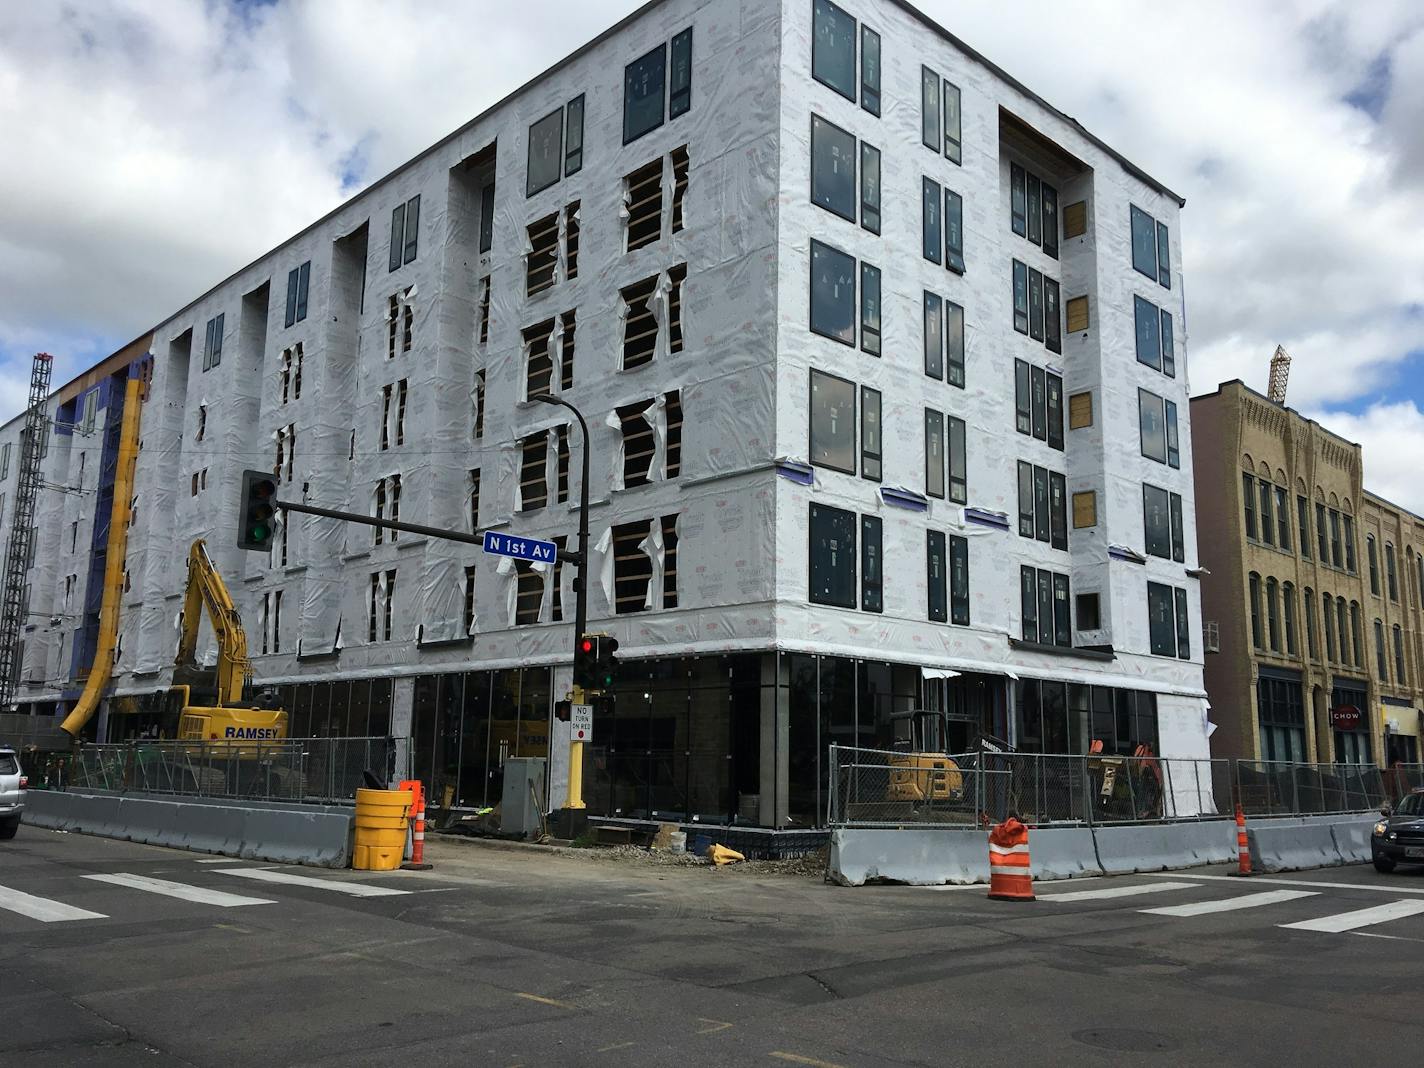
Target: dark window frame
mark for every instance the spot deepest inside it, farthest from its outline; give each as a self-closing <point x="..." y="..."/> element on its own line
<point x="819" y="9"/>
<point x="870" y="191"/>
<point x="869" y="70"/>
<point x="931" y="220"/>
<point x="573" y="146"/>
<point x="872" y="563"/>
<point x="833" y="252"/>
<point x="811" y="421"/>
<point x="853" y="554"/>
<point x="871" y="459"/>
<point x="661" y="51"/>
<point x="832" y="132"/>
<point x="556" y="158"/>
<point x="871" y="337"/>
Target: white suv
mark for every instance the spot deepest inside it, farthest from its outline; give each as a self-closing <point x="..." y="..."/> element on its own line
<point x="12" y="792"/>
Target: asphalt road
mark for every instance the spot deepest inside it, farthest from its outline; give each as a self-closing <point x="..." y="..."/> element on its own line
<point x="501" y="957"/>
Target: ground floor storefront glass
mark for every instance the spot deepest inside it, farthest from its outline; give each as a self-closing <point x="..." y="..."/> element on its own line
<point x="745" y="737"/>
<point x="1280" y="709"/>
<point x="1064" y="717"/>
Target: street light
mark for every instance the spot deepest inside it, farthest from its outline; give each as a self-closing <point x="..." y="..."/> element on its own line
<point x="581" y="583"/>
<point x="574" y="803"/>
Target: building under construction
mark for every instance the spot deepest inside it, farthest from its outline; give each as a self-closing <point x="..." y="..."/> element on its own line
<point x="883" y="358"/>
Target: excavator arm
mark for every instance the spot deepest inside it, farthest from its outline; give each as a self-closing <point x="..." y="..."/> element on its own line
<point x="207" y="592"/>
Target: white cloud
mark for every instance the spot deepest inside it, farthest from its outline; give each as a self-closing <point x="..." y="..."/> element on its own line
<point x="154" y="146"/>
<point x="1392" y="437"/>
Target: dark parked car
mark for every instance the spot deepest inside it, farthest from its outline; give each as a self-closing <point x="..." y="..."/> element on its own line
<point x="1399" y="836"/>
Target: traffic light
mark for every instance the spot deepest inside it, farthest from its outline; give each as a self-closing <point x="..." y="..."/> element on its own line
<point x="595" y="662"/>
<point x="563" y="711"/>
<point x="584" y="660"/>
<point x="257" y="510"/>
<point x="605" y="664"/>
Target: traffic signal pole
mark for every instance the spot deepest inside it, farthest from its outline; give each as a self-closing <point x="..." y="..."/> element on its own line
<point x="578" y="697"/>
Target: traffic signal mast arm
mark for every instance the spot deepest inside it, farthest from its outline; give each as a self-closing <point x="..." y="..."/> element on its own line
<point x="477" y="538"/>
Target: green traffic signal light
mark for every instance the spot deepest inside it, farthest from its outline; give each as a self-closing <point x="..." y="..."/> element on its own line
<point x="256" y="510"/>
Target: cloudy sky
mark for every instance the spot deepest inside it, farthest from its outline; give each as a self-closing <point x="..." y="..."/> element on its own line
<point x="151" y="147"/>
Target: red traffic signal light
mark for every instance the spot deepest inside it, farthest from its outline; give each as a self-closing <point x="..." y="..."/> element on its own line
<point x="256" y="511"/>
<point x="583" y="661"/>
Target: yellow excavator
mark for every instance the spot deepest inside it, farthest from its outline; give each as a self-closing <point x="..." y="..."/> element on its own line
<point x="222" y="714"/>
<point x="920" y="770"/>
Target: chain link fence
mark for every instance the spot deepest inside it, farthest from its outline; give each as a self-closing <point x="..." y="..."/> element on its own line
<point x="294" y="769"/>
<point x="875" y="787"/>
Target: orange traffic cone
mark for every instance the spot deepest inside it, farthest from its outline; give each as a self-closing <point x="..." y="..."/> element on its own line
<point x="1009" y="878"/>
<point x="1243" y="845"/>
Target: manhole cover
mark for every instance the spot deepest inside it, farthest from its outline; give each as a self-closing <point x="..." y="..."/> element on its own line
<point x="1126" y="1040"/>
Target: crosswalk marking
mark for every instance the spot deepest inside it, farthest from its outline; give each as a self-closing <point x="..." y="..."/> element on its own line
<point x="1348" y="921"/>
<point x="1231" y="904"/>
<point x="1117" y="891"/>
<point x="42" y="908"/>
<point x="267" y="875"/>
<point x="1377" y="887"/>
<point x="183" y="891"/>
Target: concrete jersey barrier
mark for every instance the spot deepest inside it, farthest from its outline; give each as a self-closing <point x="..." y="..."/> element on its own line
<point x="318" y="835"/>
<point x="928" y="856"/>
<point x="1309" y="842"/>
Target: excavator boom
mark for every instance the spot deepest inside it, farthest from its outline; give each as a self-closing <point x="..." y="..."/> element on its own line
<point x="207" y="592"/>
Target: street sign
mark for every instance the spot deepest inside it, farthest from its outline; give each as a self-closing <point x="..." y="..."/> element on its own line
<point x="581" y="723"/>
<point x="531" y="549"/>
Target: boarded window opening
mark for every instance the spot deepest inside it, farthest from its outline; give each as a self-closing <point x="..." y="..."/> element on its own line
<point x="1085" y="509"/>
<point x="632" y="567"/>
<point x="1075" y="219"/>
<point x="674" y="434"/>
<point x="479" y="403"/>
<point x="543" y="257"/>
<point x="530" y="596"/>
<point x="563" y="494"/>
<point x="1080" y="411"/>
<point x="1077" y="314"/>
<point x="638" y="444"/>
<point x="484" y="312"/>
<point x="533" y="476"/>
<point x="571" y="240"/>
<point x="640" y="328"/>
<point x="669" y="561"/>
<point x="680" y="164"/>
<point x="539" y="367"/>
<point x="676" y="276"/>
<point x="392" y="326"/>
<point x="566" y="351"/>
<point x="645" y="205"/>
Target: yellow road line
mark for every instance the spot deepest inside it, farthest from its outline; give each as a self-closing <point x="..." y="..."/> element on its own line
<point x="796" y="1058"/>
<point x="716" y="1025"/>
<point x="616" y="1045"/>
<point x="545" y="1001"/>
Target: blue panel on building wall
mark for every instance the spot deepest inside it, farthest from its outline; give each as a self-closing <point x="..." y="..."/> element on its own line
<point x="86" y="638"/>
<point x="903" y="498"/>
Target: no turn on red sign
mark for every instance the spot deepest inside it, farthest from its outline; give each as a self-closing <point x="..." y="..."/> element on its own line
<point x="581" y="723"/>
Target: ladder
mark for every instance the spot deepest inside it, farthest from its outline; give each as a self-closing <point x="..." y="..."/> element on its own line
<point x="13" y="604"/>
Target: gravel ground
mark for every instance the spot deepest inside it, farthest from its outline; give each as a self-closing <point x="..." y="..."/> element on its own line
<point x="813" y="865"/>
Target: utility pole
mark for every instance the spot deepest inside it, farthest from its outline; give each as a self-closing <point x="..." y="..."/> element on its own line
<point x="573" y="818"/>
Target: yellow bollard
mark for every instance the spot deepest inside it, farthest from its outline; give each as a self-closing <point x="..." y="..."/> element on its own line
<point x="382" y="818"/>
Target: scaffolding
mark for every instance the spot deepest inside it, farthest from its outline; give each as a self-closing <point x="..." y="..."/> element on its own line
<point x="13" y="606"/>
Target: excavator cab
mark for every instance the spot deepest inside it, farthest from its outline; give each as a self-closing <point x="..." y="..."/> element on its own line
<point x="920" y="770"/>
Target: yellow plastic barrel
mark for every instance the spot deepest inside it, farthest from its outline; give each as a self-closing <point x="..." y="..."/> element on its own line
<point x="382" y="817"/>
